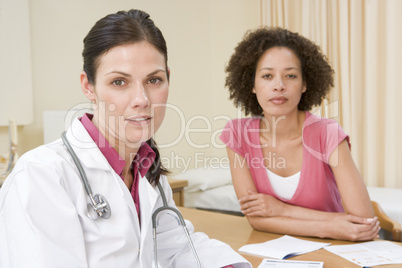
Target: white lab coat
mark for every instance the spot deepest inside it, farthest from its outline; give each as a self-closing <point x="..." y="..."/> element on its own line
<point x="44" y="221"/>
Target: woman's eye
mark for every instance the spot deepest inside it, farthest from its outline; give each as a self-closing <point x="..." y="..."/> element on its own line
<point x="266" y="76"/>
<point x="292" y="76"/>
<point x="154" y="80"/>
<point x="118" y="82"/>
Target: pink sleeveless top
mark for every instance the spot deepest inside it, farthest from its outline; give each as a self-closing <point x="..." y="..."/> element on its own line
<point x="317" y="187"/>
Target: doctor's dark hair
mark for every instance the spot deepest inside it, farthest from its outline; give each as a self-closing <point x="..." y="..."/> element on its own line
<point x="122" y="28"/>
<point x="241" y="70"/>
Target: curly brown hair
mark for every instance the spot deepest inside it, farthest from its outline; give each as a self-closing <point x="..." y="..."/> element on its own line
<point x="316" y="71"/>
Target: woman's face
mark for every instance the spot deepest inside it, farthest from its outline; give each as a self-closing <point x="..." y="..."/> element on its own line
<point x="278" y="81"/>
<point x="130" y="93"/>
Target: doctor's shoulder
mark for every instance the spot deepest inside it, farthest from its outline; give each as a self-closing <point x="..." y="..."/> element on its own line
<point x="45" y="163"/>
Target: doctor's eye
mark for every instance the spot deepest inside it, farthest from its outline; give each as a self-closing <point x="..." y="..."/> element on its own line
<point x="154" y="80"/>
<point x="118" y="82"/>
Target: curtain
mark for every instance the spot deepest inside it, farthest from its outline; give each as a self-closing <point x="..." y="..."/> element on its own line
<point x="362" y="40"/>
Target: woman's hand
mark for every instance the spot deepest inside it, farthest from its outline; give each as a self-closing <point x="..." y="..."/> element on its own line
<point x="353" y="228"/>
<point x="341" y="226"/>
<point x="261" y="205"/>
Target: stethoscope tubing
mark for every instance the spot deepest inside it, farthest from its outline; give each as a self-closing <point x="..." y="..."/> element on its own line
<point x="182" y="223"/>
<point x="102" y="203"/>
<point x="99" y="204"/>
<point x="78" y="165"/>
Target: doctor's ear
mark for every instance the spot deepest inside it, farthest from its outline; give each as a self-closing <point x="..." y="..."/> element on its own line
<point x="87" y="87"/>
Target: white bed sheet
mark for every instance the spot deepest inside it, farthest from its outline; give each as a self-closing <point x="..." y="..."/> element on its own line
<point x="221" y="198"/>
<point x="390" y="200"/>
<point x="211" y="188"/>
<point x="224" y="198"/>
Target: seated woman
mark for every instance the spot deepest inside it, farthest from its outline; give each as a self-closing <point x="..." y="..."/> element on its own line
<point x="292" y="171"/>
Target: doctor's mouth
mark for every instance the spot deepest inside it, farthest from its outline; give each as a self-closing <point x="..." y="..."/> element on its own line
<point x="139" y="120"/>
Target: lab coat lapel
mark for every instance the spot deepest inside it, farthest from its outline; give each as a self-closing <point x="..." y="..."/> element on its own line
<point x="84" y="147"/>
<point x="130" y="203"/>
<point x="91" y="157"/>
<point x="148" y="198"/>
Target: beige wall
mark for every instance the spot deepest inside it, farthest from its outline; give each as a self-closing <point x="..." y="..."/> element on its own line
<point x="200" y="35"/>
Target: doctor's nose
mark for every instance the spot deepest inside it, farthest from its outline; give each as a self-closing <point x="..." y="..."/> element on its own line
<point x="139" y="97"/>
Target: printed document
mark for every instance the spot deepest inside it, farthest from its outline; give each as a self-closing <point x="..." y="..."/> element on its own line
<point x="283" y="247"/>
<point x="369" y="253"/>
<point x="266" y="263"/>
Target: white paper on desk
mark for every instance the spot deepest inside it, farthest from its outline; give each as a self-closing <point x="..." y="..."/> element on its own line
<point x="369" y="253"/>
<point x="267" y="263"/>
<point x="283" y="247"/>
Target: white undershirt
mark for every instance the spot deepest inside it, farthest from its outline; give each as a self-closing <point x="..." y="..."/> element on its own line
<point x="284" y="187"/>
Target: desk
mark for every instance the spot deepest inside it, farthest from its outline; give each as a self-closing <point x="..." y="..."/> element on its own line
<point x="236" y="231"/>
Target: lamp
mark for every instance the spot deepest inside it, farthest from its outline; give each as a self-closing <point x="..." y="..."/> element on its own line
<point x="8" y="162"/>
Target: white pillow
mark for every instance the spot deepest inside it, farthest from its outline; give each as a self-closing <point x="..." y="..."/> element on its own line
<point x="202" y="179"/>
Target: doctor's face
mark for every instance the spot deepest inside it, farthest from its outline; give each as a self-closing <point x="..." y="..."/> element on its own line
<point x="130" y="93"/>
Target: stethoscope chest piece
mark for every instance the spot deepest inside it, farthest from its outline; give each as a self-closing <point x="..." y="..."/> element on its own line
<point x="99" y="207"/>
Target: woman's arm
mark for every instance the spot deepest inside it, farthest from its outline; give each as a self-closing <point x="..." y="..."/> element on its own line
<point x="266" y="213"/>
<point x="355" y="198"/>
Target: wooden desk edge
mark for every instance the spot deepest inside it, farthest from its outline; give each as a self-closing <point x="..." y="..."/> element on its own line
<point x="240" y="233"/>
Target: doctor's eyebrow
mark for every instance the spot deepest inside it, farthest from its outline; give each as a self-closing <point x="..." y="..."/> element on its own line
<point x="157" y="71"/>
<point x="129" y="75"/>
<point x="119" y="72"/>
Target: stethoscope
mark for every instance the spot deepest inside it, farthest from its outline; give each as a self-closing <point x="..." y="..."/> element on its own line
<point x="99" y="206"/>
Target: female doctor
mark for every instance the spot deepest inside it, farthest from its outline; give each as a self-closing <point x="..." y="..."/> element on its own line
<point x="44" y="219"/>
